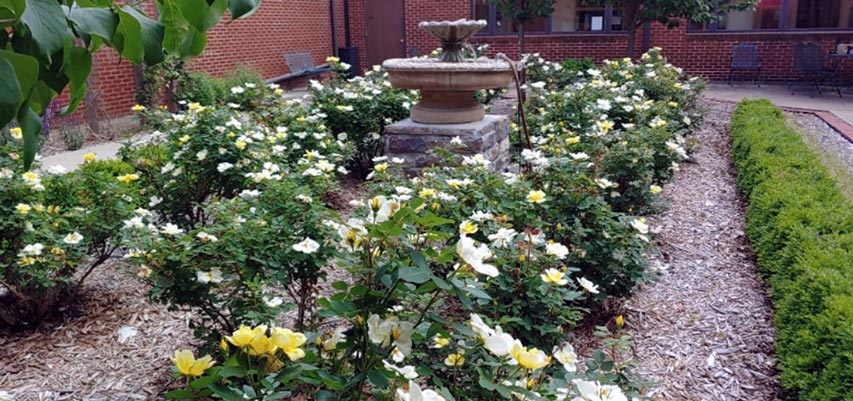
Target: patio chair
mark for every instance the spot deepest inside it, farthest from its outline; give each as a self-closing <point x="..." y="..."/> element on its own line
<point x="808" y="61"/>
<point x="300" y="64"/>
<point x="745" y="59"/>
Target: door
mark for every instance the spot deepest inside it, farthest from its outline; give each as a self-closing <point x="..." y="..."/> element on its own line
<point x="385" y="29"/>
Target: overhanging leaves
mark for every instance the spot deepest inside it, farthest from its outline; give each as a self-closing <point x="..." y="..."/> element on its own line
<point x="10" y="92"/>
<point x="31" y="126"/>
<point x="46" y="24"/>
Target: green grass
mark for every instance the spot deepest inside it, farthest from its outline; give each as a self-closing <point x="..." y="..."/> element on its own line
<point x="801" y="228"/>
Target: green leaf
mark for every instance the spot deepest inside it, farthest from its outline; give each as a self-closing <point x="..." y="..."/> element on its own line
<point x="232" y="371"/>
<point x="10" y="92"/>
<point x="416" y="275"/>
<point x="203" y="382"/>
<point x="46" y="23"/>
<point x="182" y="394"/>
<point x="26" y="71"/>
<point x="128" y="37"/>
<point x="77" y="70"/>
<point x="15" y="8"/>
<point x="225" y="393"/>
<point x="40" y="96"/>
<point x="194" y="43"/>
<point x="243" y="8"/>
<point x="152" y="36"/>
<point x="378" y="379"/>
<point x="175" y="26"/>
<point x="101" y="22"/>
<point x="201" y="15"/>
<point x="31" y="125"/>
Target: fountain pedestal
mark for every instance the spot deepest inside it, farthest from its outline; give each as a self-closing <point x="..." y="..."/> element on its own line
<point x="415" y="142"/>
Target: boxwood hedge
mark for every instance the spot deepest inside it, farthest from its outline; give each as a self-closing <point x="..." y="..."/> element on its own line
<point x="801" y="229"/>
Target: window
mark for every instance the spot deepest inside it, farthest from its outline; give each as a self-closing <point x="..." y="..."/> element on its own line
<point x="785" y="15"/>
<point x="568" y="16"/>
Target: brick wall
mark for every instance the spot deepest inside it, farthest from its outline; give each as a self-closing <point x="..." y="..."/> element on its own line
<point x="259" y="42"/>
<point x="304" y="25"/>
<point x="703" y="54"/>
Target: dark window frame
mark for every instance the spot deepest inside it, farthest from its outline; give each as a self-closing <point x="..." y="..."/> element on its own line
<point x="784" y="15"/>
<point x="490" y="29"/>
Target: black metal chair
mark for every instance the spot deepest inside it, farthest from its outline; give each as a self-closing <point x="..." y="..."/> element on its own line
<point x="808" y="61"/>
<point x="745" y="59"/>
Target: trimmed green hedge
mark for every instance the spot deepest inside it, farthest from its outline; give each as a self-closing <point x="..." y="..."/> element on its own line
<point x="801" y="229"/>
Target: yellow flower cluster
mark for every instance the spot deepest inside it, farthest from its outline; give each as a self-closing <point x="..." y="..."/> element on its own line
<point x="256" y="341"/>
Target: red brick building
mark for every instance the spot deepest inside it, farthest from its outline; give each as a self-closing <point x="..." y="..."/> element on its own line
<point x="381" y="29"/>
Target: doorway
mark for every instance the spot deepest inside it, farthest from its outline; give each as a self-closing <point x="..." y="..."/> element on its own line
<point x="385" y="29"/>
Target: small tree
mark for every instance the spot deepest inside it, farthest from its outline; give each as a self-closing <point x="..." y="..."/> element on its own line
<point x="522" y="12"/>
<point x="671" y="13"/>
<point x="47" y="45"/>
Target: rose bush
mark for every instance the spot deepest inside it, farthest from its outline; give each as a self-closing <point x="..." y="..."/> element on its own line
<point x="57" y="228"/>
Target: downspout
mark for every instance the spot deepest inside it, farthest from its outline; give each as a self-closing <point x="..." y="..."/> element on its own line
<point x="333" y="16"/>
<point x="346" y="24"/>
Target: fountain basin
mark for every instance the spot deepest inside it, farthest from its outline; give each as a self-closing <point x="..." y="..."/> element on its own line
<point x="448" y="88"/>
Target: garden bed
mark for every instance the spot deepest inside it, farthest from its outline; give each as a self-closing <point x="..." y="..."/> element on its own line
<point x="704" y="330"/>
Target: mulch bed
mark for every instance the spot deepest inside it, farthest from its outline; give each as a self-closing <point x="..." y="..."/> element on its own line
<point x="703" y="331"/>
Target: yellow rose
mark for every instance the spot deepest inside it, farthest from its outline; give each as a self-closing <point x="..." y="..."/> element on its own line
<point x="127" y="178"/>
<point x="187" y="365"/>
<point x="289" y="342"/>
<point x="467" y="227"/>
<point x="89" y="157"/>
<point x="454" y="360"/>
<point x="531" y="358"/>
<point x="137" y="108"/>
<point x="16" y="133"/>
<point x="241" y="338"/>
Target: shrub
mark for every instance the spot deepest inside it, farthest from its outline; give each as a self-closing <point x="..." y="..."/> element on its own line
<point x="212" y="152"/>
<point x="73" y="136"/>
<point x="202" y="88"/>
<point x="633" y="136"/>
<point x="801" y="229"/>
<point x="56" y="229"/>
<point x="229" y="270"/>
<point x="360" y="108"/>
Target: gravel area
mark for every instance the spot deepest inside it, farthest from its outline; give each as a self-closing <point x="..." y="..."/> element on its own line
<point x="703" y="331"/>
<point x="828" y="139"/>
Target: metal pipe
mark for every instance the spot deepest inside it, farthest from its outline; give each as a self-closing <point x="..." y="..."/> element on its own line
<point x="346" y="24"/>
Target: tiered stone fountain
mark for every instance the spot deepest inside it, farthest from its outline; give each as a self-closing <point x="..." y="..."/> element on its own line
<point x="448" y="107"/>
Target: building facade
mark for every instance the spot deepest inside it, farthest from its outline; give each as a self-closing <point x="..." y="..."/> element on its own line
<point x="381" y="29"/>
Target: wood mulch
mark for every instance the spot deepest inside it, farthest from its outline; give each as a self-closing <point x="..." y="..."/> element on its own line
<point x="80" y="357"/>
<point x="703" y="331"/>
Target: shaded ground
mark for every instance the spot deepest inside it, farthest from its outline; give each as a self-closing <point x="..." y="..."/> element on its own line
<point x="703" y="331"/>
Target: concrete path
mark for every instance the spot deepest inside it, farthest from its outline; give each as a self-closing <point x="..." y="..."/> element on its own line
<point x="70" y="160"/>
<point x="781" y="96"/>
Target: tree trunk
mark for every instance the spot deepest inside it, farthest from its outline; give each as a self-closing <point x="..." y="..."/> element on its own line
<point x="520" y="39"/>
<point x="630" y="10"/>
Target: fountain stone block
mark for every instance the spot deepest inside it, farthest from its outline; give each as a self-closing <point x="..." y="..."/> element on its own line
<point x="416" y="142"/>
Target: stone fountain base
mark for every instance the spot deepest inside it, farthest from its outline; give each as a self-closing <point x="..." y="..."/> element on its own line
<point x="447" y="107"/>
<point x="415" y="142"/>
